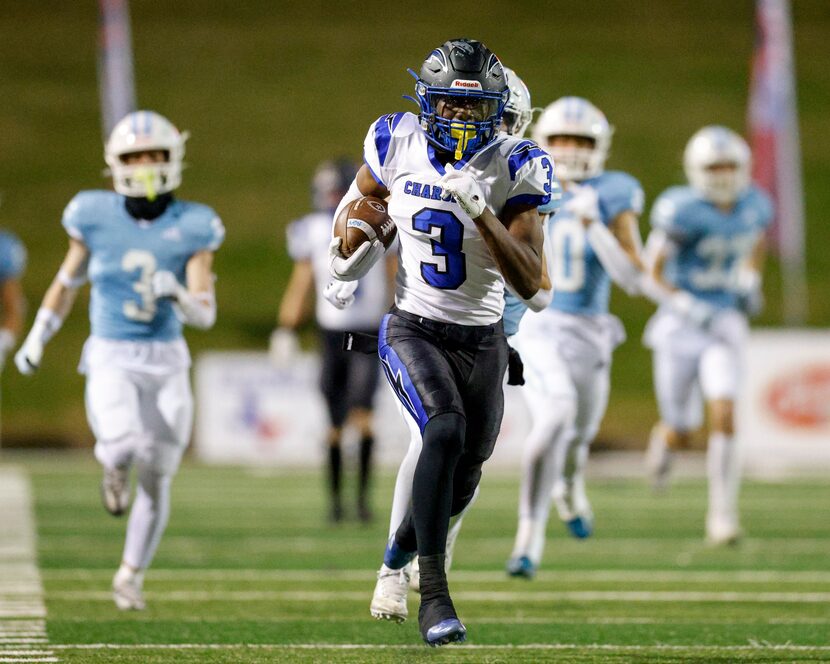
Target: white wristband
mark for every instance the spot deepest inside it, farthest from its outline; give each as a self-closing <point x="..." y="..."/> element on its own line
<point x="198" y="310"/>
<point x="47" y="323"/>
<point x="540" y="300"/>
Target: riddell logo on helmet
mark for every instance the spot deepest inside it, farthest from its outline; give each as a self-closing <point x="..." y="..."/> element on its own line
<point x="463" y="83"/>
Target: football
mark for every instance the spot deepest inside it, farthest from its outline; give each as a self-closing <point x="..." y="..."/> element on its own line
<point x="365" y="219"/>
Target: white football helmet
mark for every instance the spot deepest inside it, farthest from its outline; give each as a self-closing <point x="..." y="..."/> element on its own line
<point x="575" y="116"/>
<point x="711" y="146"/>
<point x="518" y="112"/>
<point x="137" y="132"/>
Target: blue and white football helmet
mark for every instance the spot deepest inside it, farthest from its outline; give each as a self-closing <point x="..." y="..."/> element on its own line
<point x="717" y="146"/>
<point x="518" y="112"/>
<point x="575" y="116"/>
<point x="142" y="131"/>
<point x="468" y="75"/>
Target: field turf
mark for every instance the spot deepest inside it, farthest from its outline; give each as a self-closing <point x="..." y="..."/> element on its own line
<point x="249" y="571"/>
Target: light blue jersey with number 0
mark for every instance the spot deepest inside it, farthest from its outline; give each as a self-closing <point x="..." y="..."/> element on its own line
<point x="125" y="253"/>
<point x="581" y="284"/>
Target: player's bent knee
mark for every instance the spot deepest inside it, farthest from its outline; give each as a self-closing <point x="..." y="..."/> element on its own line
<point x="445" y="431"/>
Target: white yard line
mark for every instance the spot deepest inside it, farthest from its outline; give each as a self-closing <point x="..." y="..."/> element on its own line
<point x="468" y="576"/>
<point x="23" y="635"/>
<point x="468" y="595"/>
<point x="751" y="647"/>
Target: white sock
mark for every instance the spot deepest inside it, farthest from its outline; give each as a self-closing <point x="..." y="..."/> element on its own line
<point x="455" y="528"/>
<point x="402" y="498"/>
<point x="148" y="518"/>
<point x="724" y="478"/>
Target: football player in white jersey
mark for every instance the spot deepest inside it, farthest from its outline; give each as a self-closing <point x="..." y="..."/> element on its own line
<point x="149" y="259"/>
<point x="347" y="380"/>
<point x="567" y="348"/>
<point x="464" y="198"/>
<point x="518" y="113"/>
<point x="708" y="244"/>
<point x="12" y="265"/>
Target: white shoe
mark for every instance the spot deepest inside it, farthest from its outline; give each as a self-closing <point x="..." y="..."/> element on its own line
<point x="722" y="531"/>
<point x="659" y="461"/>
<point x="127" y="589"/>
<point x="389" y="599"/>
<point x="115" y="490"/>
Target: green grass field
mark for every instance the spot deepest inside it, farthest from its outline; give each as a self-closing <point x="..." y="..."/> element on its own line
<point x="249" y="571"/>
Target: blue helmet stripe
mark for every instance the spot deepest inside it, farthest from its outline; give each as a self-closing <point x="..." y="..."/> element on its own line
<point x="383" y="136"/>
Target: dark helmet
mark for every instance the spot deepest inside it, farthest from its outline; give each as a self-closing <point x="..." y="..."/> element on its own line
<point x="331" y="181"/>
<point x="467" y="75"/>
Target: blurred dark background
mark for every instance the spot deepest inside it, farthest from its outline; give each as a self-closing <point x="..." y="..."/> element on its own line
<point x="269" y="89"/>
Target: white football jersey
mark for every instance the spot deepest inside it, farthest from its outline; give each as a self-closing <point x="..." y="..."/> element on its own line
<point x="445" y="270"/>
<point x="308" y="239"/>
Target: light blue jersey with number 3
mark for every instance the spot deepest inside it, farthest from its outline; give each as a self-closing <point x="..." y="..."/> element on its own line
<point x="580" y="283"/>
<point x="125" y="253"/>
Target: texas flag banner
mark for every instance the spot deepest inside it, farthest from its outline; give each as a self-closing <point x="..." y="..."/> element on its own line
<point x="773" y="130"/>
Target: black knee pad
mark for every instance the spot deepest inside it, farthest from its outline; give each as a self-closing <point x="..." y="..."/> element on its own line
<point x="445" y="432"/>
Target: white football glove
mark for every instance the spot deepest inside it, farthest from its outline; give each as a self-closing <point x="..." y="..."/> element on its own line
<point x="340" y="293"/>
<point x="47" y="323"/>
<point x="465" y="190"/>
<point x="584" y="202"/>
<point x="165" y="284"/>
<point x="283" y="346"/>
<point x="27" y="359"/>
<point x="356" y="265"/>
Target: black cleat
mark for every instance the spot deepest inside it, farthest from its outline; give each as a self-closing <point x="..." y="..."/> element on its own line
<point x="437" y="619"/>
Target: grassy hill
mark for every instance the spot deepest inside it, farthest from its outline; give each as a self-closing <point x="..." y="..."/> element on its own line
<point x="269" y="89"/>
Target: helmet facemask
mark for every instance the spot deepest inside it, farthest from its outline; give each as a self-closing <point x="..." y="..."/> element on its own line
<point x="518" y="113"/>
<point x="717" y="164"/>
<point x="473" y="122"/>
<point x="145" y="132"/>
<point x="461" y="91"/>
<point x="578" y="118"/>
<point x="576" y="163"/>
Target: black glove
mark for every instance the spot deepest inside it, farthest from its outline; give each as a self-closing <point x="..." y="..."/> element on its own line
<point x="515" y="368"/>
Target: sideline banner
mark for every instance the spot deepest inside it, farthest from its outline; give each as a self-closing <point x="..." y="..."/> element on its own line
<point x="784" y="411"/>
<point x="251" y="412"/>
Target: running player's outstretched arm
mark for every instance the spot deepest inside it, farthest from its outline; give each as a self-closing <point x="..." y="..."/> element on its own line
<point x="195" y="302"/>
<point x="56" y="305"/>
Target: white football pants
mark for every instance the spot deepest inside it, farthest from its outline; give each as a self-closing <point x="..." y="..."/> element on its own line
<point x="567" y="361"/>
<point x="142" y="420"/>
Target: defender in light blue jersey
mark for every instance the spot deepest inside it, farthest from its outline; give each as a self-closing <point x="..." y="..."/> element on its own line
<point x="12" y="265"/>
<point x="566" y="349"/>
<point x="149" y="259"/>
<point x="707" y="244"/>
